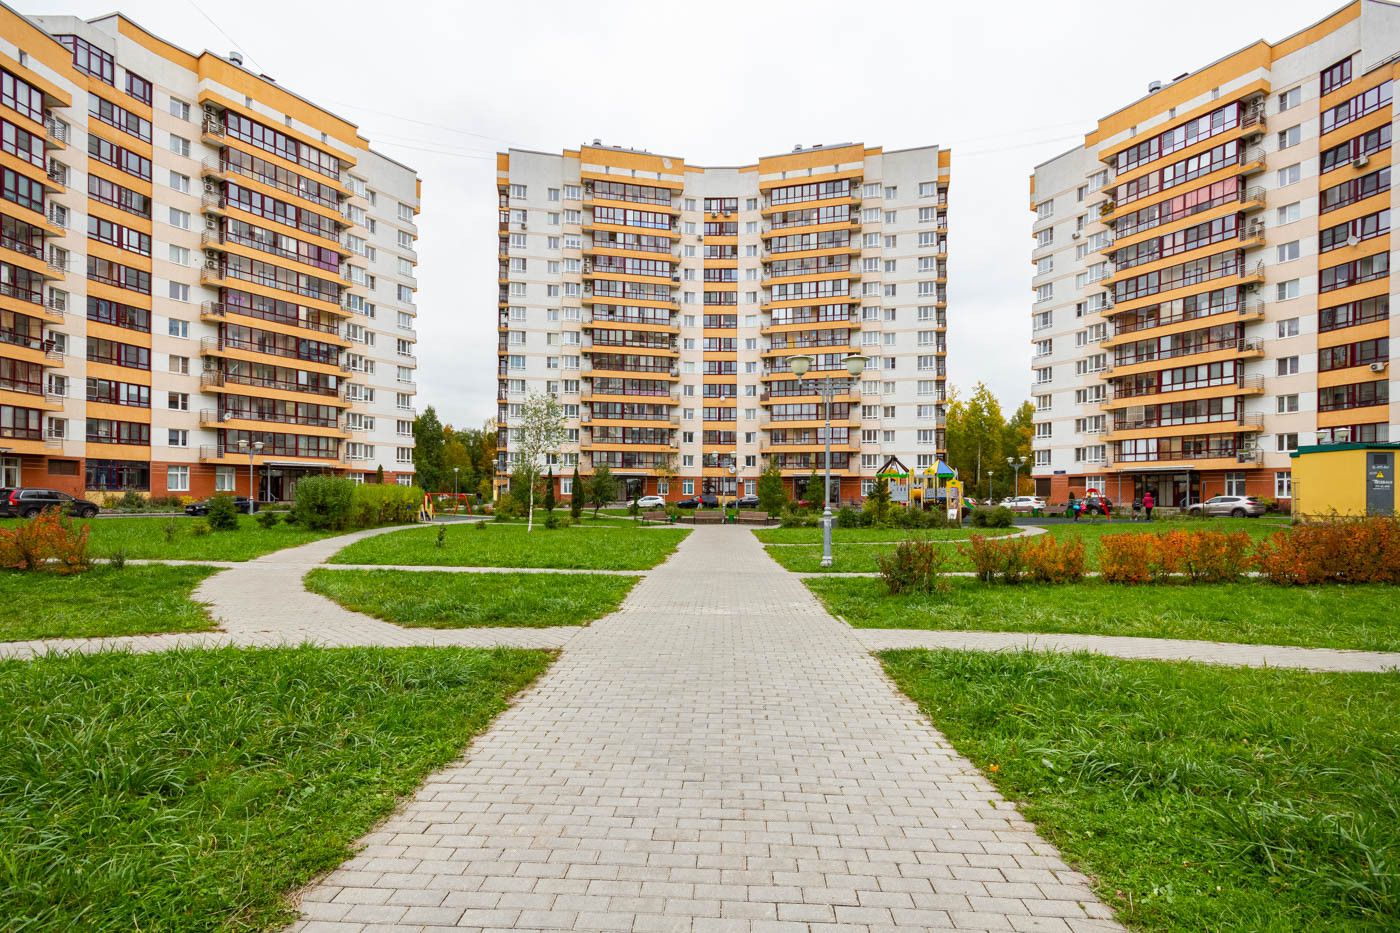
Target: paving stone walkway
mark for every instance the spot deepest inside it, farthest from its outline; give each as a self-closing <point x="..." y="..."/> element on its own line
<point x="720" y="754"/>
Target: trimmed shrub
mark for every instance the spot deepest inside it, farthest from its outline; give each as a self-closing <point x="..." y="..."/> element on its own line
<point x="1127" y="558"/>
<point x="1050" y="560"/>
<point x="847" y="517"/>
<point x="268" y="519"/>
<point x="371" y="506"/>
<point x="507" y="508"/>
<point x="1365" y="550"/>
<point x="994" y="560"/>
<point x="223" y="514"/>
<point x="323" y="502"/>
<point x="800" y="518"/>
<point x="199" y="528"/>
<point x="998" y="517"/>
<point x="49" y="542"/>
<point x="913" y="567"/>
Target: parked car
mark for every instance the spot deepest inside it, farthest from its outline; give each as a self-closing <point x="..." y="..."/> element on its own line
<point x="651" y="502"/>
<point x="1094" y="505"/>
<point x="28" y="502"/>
<point x="747" y="502"/>
<point x="240" y="503"/>
<point x="706" y="501"/>
<point x="1236" y="506"/>
<point x="1023" y="503"/>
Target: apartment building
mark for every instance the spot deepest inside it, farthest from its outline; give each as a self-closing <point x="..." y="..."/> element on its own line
<point x="661" y="303"/>
<point x="200" y="272"/>
<point x="1212" y="272"/>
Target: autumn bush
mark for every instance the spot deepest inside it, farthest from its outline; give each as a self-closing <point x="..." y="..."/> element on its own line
<point x="49" y="543"/>
<point x="912" y="567"/>
<point x="1127" y="558"/>
<point x="1363" y="550"/>
<point x="1043" y="559"/>
<point x="994" y="560"/>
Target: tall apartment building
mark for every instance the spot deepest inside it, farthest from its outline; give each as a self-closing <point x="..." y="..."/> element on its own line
<point x="194" y="261"/>
<point x="661" y="303"/>
<point x="1212" y="272"/>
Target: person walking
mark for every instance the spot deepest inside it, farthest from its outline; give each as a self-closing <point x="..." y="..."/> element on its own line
<point x="1148" y="501"/>
<point x="1137" y="507"/>
<point x="1072" y="507"/>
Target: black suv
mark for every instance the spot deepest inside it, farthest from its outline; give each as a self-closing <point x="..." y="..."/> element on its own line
<point x="26" y="503"/>
<point x="240" y="503"/>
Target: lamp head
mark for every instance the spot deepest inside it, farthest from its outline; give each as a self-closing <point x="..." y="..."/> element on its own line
<point x="855" y="365"/>
<point x="800" y="364"/>
<point x="258" y="446"/>
<point x="243" y="445"/>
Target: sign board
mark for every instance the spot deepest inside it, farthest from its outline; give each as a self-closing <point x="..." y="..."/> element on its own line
<point x="1380" y="483"/>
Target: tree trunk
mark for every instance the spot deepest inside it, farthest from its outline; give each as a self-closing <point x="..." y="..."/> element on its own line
<point x="530" y="515"/>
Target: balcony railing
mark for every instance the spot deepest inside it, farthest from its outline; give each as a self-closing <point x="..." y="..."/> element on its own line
<point x="219" y="344"/>
<point x="213" y="416"/>
<point x="222" y="308"/>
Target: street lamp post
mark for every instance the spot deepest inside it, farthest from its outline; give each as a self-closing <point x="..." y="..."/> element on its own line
<point x="855" y="365"/>
<point x="990" y="475"/>
<point x="252" y="451"/>
<point x="1015" y="463"/>
<point x="455" y="504"/>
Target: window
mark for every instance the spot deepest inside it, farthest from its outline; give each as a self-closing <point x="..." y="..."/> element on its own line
<point x="179" y="108"/>
<point x="1283" y="485"/>
<point x="180" y="182"/>
<point x="1288" y="327"/>
<point x="177" y="479"/>
<point x="1290" y="99"/>
<point x="177" y="401"/>
<point x="1287" y="443"/>
<point x="179" y="145"/>
<point x="179" y="255"/>
<point x="1289" y="175"/>
<point x="179" y="219"/>
<point x="1290" y="137"/>
<point x="178" y="437"/>
<point x="224" y="477"/>
<point x="1234" y="484"/>
<point x="1045" y="292"/>
<point x="1287" y="365"/>
<point x="1287" y="290"/>
<point x="1288" y="251"/>
<point x="1335" y="76"/>
<point x="178" y="291"/>
<point x="178" y="328"/>
<point x="180" y="364"/>
<point x="1287" y="404"/>
<point x="1288" y="213"/>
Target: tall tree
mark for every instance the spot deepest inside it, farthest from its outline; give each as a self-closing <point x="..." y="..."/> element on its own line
<point x="976" y="436"/>
<point x="1017" y="443"/>
<point x="427" y="450"/>
<point x="602" y="488"/>
<point x="576" y="496"/>
<point x="540" y="433"/>
<point x="549" y="502"/>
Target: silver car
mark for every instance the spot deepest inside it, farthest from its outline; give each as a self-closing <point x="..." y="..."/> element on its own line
<point x="1234" y="506"/>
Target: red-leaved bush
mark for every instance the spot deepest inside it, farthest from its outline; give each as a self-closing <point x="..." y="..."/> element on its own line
<point x="1363" y="550"/>
<point x="1044" y="559"/>
<point x="1125" y="558"/>
<point x="48" y="542"/>
<point x="1199" y="556"/>
<point x="913" y="567"/>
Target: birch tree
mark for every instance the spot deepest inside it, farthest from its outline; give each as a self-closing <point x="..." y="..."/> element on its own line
<point x="540" y="433"/>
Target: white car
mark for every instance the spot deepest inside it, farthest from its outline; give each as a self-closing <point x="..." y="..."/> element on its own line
<point x="1023" y="503"/>
<point x="651" y="502"/>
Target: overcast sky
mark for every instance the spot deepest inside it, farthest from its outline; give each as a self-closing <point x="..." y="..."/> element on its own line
<point x="442" y="86"/>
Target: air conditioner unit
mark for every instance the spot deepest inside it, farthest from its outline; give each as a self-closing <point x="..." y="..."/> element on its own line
<point x="1353" y="240"/>
<point x="1361" y="161"/>
<point x="211" y="187"/>
<point x="1075" y="235"/>
<point x="1378" y="367"/>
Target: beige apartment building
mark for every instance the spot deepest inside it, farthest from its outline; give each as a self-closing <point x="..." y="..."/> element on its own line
<point x="661" y="302"/>
<point x="1212" y="272"/>
<point x="201" y="272"/>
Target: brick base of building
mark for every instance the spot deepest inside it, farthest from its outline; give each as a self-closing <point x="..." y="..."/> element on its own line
<point x="1123" y="487"/>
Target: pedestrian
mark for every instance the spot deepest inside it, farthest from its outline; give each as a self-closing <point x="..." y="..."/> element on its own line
<point x="1137" y="507"/>
<point x="1070" y="507"/>
<point x="1147" y="503"/>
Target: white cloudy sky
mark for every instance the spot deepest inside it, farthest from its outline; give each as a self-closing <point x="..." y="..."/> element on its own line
<point x="443" y="85"/>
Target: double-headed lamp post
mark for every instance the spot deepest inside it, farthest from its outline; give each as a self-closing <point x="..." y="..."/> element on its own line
<point x="1015" y="463"/>
<point x="252" y="451"/>
<point x="855" y="365"/>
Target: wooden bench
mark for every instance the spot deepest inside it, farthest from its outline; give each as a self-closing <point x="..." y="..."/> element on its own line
<point x="656" y="516"/>
<point x="753" y="518"/>
<point x="702" y="517"/>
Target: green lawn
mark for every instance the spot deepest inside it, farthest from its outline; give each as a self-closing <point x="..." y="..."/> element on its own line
<point x="867" y="535"/>
<point x="145" y="538"/>
<point x="458" y="600"/>
<point x="1196" y="797"/>
<point x="1256" y="613"/>
<point x="131" y="601"/>
<point x="195" y="790"/>
<point x="508" y="545"/>
<point x="857" y="556"/>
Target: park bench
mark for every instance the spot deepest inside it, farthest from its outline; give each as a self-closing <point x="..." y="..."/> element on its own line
<point x="659" y="515"/>
<point x="700" y="517"/>
<point x="753" y="518"/>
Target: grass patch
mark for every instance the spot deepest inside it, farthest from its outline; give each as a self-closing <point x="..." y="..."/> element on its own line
<point x="1197" y="797"/>
<point x="869" y="535"/>
<point x="144" y="538"/>
<point x="854" y="555"/>
<point x="1256" y="613"/>
<point x="621" y="548"/>
<point x="194" y="790"/>
<point x="101" y="602"/>
<point x="461" y="600"/>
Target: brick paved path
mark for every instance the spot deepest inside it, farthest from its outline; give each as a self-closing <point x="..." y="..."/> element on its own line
<point x="721" y="754"/>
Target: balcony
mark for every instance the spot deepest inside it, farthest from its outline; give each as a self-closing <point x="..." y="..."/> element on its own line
<point x="56" y="132"/>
